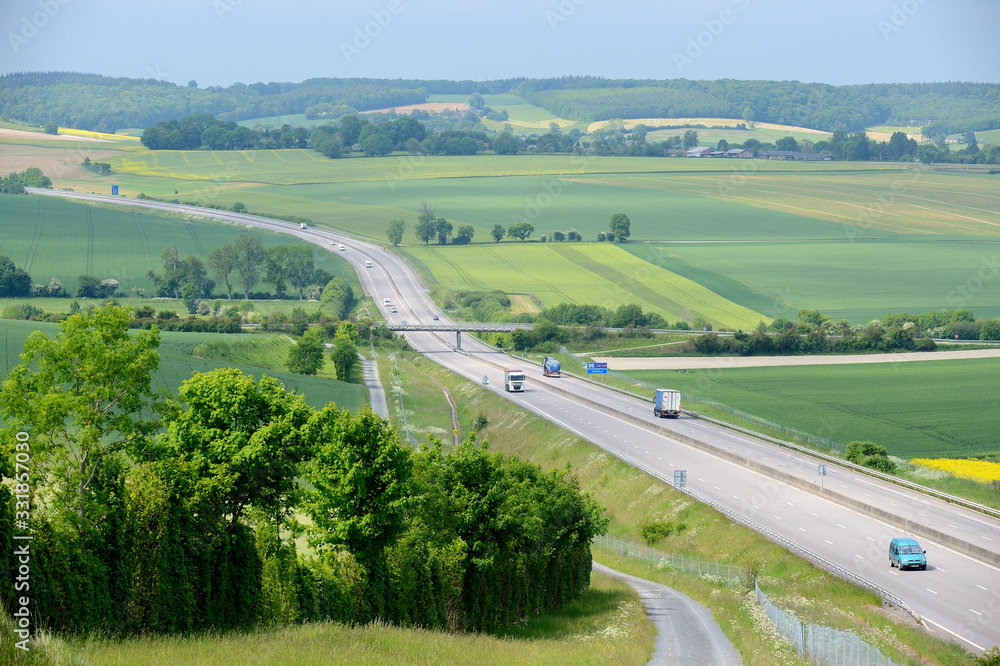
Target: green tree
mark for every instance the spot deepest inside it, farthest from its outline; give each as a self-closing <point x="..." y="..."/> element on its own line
<point x="464" y="234"/>
<point x="242" y="442"/>
<point x="359" y="473"/>
<point x="345" y="352"/>
<point x="498" y="232"/>
<point x="300" y="267"/>
<point x="620" y="226"/>
<point x="307" y="357"/>
<point x="425" y="229"/>
<point x="520" y="230"/>
<point x="394" y="231"/>
<point x="87" y="397"/>
<point x="222" y="262"/>
<point x="275" y="267"/>
<point x="251" y="255"/>
<point x="443" y="229"/>
<point x="377" y="144"/>
<point x="14" y="282"/>
<point x="787" y="143"/>
<point x="476" y="101"/>
<point x="690" y="139"/>
<point x="51" y="128"/>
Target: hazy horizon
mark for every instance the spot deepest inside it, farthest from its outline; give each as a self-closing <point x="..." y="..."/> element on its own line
<point x="219" y="42"/>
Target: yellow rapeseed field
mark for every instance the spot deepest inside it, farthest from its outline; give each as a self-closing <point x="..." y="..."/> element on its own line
<point x="977" y="470"/>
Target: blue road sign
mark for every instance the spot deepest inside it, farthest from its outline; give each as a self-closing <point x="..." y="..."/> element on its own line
<point x="597" y="368"/>
<point x="114" y="190"/>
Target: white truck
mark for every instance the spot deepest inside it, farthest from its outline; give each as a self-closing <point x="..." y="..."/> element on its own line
<point x="667" y="404"/>
<point x="513" y="380"/>
<point x="302" y="225"/>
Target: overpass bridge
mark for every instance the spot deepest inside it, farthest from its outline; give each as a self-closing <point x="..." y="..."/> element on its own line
<point x="468" y="327"/>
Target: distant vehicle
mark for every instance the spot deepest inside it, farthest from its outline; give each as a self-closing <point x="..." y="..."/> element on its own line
<point x="368" y="264"/>
<point x="551" y="367"/>
<point x="435" y="318"/>
<point x="513" y="380"/>
<point x="907" y="553"/>
<point x="393" y="311"/>
<point x="341" y="248"/>
<point x="385" y="302"/>
<point x="333" y="242"/>
<point x="302" y="225"/>
<point x="667" y="404"/>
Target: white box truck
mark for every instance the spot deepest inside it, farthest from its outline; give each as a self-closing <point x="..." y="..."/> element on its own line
<point x="513" y="380"/>
<point x="667" y="404"/>
<point x="302" y="225"/>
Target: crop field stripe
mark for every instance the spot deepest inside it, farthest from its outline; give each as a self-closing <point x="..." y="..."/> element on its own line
<point x="461" y="272"/>
<point x="90" y="240"/>
<point x="197" y="241"/>
<point x="143" y="239"/>
<point x="628" y="285"/>
<point x="551" y="287"/>
<point x="33" y="248"/>
<point x="726" y="287"/>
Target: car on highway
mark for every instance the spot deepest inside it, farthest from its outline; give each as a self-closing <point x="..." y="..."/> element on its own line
<point x="393" y="311"/>
<point x="341" y="248"/>
<point x="435" y="318"/>
<point x="368" y="264"/>
<point x="906" y="554"/>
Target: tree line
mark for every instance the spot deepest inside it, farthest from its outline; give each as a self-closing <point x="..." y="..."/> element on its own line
<point x="815" y="105"/>
<point x="87" y="101"/>
<point x="151" y="513"/>
<point x="15" y="182"/>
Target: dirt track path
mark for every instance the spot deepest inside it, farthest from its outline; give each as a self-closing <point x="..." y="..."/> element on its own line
<point x="703" y="362"/>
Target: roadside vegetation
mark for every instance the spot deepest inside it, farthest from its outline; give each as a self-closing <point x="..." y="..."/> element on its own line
<point x="635" y="501"/>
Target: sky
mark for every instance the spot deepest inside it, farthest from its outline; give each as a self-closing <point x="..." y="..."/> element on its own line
<point x="219" y="42"/>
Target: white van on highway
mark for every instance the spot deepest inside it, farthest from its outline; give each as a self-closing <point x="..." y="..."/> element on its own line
<point x="385" y="302"/>
<point x="368" y="264"/>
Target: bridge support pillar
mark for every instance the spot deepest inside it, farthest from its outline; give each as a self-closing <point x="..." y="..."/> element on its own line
<point x="458" y="339"/>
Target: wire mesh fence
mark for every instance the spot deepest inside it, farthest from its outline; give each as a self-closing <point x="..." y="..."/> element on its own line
<point x="819" y="644"/>
<point x="691" y="564"/>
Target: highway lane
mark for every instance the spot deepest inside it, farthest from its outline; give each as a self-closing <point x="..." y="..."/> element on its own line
<point x="958" y="596"/>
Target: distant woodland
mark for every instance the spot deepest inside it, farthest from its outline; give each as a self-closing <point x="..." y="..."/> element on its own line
<point x="107" y="104"/>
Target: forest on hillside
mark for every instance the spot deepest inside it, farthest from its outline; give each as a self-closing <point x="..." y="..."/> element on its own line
<point x="107" y="104"/>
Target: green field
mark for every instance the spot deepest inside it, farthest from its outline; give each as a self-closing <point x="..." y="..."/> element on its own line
<point x="591" y="273"/>
<point x="853" y="280"/>
<point x="942" y="408"/>
<point x="50" y="237"/>
<point x="177" y="362"/>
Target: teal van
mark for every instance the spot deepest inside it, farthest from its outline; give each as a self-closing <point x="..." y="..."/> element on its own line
<point x="907" y="553"/>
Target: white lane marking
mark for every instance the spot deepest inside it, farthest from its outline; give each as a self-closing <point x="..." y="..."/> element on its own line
<point x="858" y="556"/>
<point x="802" y="529"/>
<point x="828" y="541"/>
<point x="940" y="569"/>
<point x="930" y="590"/>
<point x="816" y="515"/>
<point x="869" y="538"/>
<point x="976" y="612"/>
<point x="963" y="638"/>
<point x="841" y="526"/>
<point x="982" y="588"/>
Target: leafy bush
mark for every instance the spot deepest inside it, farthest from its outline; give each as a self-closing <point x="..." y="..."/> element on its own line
<point x="871" y="455"/>
<point x="653" y="530"/>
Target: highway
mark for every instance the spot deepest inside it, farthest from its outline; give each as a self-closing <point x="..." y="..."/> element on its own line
<point x="849" y="522"/>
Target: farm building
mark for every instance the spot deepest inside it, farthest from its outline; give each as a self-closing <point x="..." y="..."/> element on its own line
<point x="739" y="152"/>
<point x="791" y="155"/>
<point x="701" y="151"/>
